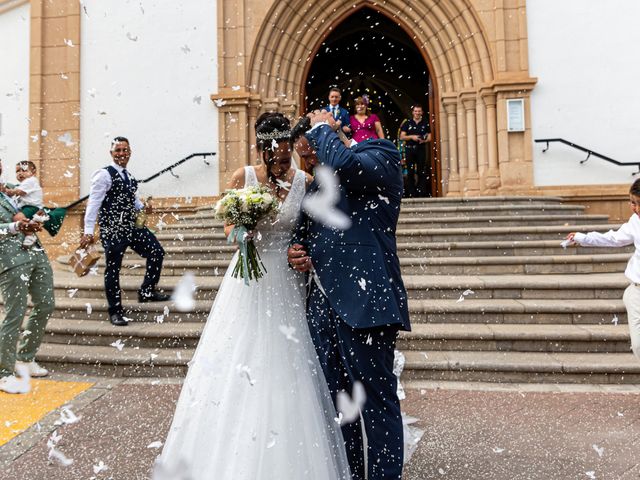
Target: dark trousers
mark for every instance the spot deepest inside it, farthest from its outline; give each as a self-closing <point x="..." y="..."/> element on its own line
<point x="145" y="244"/>
<point x="366" y="355"/>
<point x="418" y="178"/>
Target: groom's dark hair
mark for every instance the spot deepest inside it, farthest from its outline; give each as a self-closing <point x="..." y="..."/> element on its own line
<point x="302" y="127"/>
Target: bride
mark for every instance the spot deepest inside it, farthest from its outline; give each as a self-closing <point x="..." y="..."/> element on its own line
<point x="255" y="405"/>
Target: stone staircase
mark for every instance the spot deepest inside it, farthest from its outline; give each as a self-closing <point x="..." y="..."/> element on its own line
<point x="493" y="297"/>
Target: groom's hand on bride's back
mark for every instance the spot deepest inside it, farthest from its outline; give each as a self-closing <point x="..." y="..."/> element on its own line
<point x="298" y="258"/>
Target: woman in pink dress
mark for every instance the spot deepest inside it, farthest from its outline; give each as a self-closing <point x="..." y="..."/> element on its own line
<point x="364" y="124"/>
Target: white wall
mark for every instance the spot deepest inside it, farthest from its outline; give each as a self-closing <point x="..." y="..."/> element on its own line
<point x="147" y="70"/>
<point x="14" y="88"/>
<point x="585" y="55"/>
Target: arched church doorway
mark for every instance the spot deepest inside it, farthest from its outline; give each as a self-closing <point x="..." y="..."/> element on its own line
<point x="369" y="53"/>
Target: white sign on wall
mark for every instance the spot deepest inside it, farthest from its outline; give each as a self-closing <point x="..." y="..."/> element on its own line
<point x="515" y="115"/>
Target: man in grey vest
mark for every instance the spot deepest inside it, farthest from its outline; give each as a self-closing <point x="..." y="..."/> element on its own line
<point x="114" y="203"/>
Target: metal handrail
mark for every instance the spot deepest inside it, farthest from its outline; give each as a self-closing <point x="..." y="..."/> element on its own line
<point x="588" y="151"/>
<point x="155" y="175"/>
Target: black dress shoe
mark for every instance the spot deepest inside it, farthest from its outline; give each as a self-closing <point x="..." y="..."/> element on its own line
<point x="118" y="320"/>
<point x="152" y="296"/>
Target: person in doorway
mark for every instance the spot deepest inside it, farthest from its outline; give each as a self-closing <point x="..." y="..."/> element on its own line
<point x="364" y="124"/>
<point x="339" y="114"/>
<point x="415" y="132"/>
<point x="113" y="201"/>
<point x="627" y="234"/>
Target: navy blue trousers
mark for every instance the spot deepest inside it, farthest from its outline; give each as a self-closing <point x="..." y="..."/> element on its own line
<point x="145" y="244"/>
<point x="366" y="355"/>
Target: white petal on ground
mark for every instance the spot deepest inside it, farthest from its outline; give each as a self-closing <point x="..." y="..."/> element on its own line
<point x="156" y="444"/>
<point x="615" y="320"/>
<point x="165" y="312"/>
<point x="100" y="467"/>
<point x="350" y="406"/>
<point x="159" y="318"/>
<point x="89" y="308"/>
<point x="468" y="292"/>
<point x="60" y="457"/>
<point x="68" y="417"/>
<point x="591" y="474"/>
<point x="321" y="205"/>
<point x="183" y="294"/>
<point x="498" y="450"/>
<point x="72" y="292"/>
<point x="119" y="344"/>
<point x="599" y="450"/>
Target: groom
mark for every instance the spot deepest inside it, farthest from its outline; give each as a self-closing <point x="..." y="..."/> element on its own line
<point x="358" y="303"/>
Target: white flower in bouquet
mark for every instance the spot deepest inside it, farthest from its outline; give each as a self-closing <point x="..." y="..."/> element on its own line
<point x="244" y="208"/>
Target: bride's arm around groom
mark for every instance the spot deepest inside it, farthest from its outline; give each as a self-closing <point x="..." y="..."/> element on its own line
<point x="356" y="315"/>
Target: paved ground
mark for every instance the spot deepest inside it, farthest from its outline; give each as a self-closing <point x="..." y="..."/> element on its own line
<point x="489" y="432"/>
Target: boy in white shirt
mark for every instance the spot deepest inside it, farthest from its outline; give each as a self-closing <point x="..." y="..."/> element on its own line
<point x="28" y="195"/>
<point x="627" y="234"/>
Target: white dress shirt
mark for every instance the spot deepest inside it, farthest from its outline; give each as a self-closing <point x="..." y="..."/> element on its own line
<point x="627" y="234"/>
<point x="33" y="193"/>
<point x="100" y="185"/>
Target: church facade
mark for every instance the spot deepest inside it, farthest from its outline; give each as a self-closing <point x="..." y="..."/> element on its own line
<point x="494" y="76"/>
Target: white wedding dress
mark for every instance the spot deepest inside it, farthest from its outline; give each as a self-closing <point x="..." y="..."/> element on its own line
<point x="254" y="405"/>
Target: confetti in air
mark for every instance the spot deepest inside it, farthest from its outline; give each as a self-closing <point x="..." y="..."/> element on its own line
<point x="321" y="205"/>
<point x="349" y="406"/>
<point x="183" y="294"/>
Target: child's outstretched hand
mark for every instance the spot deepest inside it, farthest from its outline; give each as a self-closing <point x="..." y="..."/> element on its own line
<point x="569" y="240"/>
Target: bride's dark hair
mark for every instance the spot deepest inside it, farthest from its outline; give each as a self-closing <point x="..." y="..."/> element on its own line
<point x="271" y="126"/>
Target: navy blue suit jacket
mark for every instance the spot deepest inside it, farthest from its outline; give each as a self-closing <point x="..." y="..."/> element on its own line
<point x="370" y="193"/>
<point x="343" y="116"/>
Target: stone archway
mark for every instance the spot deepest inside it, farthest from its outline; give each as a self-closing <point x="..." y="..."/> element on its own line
<point x="473" y="62"/>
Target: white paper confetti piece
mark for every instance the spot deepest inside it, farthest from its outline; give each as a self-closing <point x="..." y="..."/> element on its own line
<point x="71" y="292"/>
<point x="165" y="312"/>
<point x="498" y="450"/>
<point x="384" y="199"/>
<point x="235" y="88"/>
<point x="350" y="406"/>
<point x="615" y="320"/>
<point x="159" y="318"/>
<point x="89" y="308"/>
<point x="24" y="277"/>
<point x="156" y="444"/>
<point x="68" y="42"/>
<point x="591" y="474"/>
<point x="66" y="139"/>
<point x="245" y="371"/>
<point x="369" y="340"/>
<point x="289" y="332"/>
<point x="197" y="99"/>
<point x="183" y="293"/>
<point x="118" y="344"/>
<point x="321" y="205"/>
<point x="185" y="49"/>
<point x="363" y="283"/>
<point x="131" y="37"/>
<point x="67" y="416"/>
<point x="566" y="243"/>
<point x="599" y="450"/>
<point x="219" y="102"/>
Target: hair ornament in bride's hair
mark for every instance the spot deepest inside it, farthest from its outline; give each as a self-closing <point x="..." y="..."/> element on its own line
<point x="274" y="135"/>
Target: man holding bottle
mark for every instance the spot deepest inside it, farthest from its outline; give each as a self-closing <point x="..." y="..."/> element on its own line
<point x="114" y="204"/>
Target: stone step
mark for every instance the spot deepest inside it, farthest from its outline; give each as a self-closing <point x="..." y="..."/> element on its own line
<point x="580" y="286"/>
<point x="213" y="237"/>
<point x="110" y="362"/>
<point x="602" y="263"/>
<point x="562" y="311"/>
<point x="525" y="248"/>
<point x="516" y="338"/>
<point x="538" y="367"/>
<point x="136" y="334"/>
<point x="428" y="221"/>
<point x="452" y="211"/>
<point x="427" y="337"/>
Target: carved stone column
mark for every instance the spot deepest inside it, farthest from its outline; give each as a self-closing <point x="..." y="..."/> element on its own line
<point x="472" y="180"/>
<point x="235" y="107"/>
<point x="491" y="178"/>
<point x="461" y="124"/>
<point x="450" y="106"/>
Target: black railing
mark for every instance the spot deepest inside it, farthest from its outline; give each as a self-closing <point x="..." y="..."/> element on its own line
<point x="588" y="151"/>
<point x="156" y="175"/>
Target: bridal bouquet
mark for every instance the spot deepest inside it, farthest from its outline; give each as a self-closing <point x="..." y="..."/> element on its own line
<point x="244" y="208"/>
